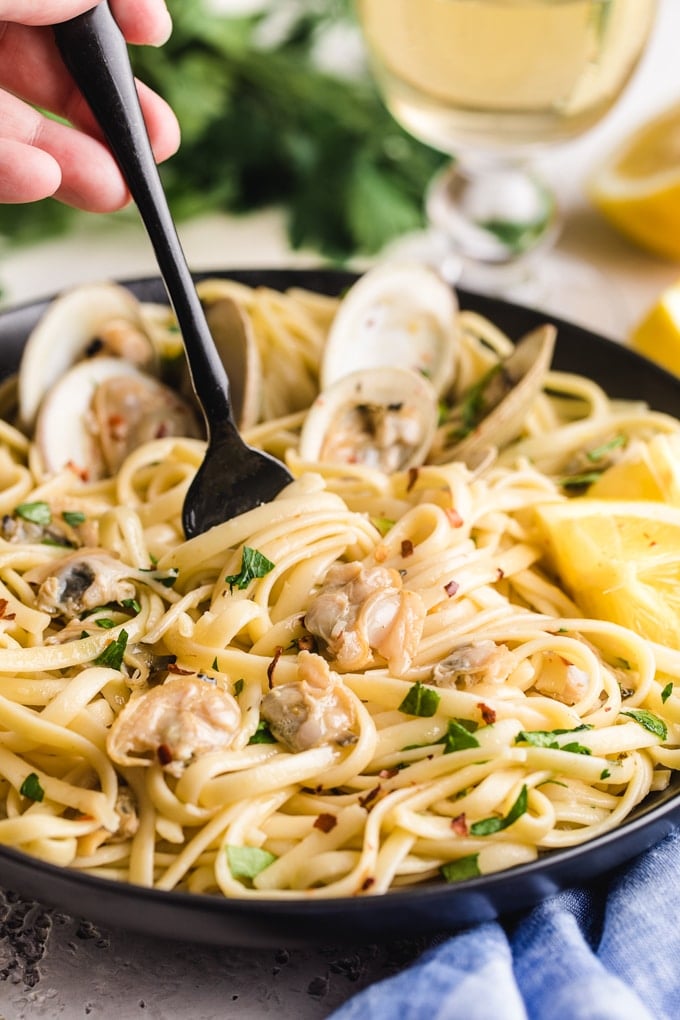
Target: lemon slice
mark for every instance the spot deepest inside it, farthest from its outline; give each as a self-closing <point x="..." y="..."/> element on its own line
<point x="652" y="473"/>
<point x="638" y="187"/>
<point x="619" y="560"/>
<point x="657" y="336"/>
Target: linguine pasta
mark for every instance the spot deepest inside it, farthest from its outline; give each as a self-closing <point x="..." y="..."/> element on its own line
<point x="370" y="682"/>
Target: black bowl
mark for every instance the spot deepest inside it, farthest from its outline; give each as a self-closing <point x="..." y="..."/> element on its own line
<point x="410" y="911"/>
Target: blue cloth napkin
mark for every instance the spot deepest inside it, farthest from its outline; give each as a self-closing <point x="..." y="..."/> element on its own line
<point x="607" y="951"/>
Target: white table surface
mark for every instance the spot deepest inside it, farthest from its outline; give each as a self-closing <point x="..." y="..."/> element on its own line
<point x="54" y="966"/>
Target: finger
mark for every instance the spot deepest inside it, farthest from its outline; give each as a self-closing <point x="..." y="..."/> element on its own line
<point x="31" y="68"/>
<point x="142" y="21"/>
<point x="90" y="178"/>
<point x="27" y="174"/>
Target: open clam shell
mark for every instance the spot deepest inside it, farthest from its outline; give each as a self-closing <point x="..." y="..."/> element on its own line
<point x="384" y="418"/>
<point x="505" y="397"/>
<point x="68" y="328"/>
<point x="397" y="314"/>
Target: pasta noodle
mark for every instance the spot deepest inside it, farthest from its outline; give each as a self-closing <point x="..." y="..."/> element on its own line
<point x="184" y="729"/>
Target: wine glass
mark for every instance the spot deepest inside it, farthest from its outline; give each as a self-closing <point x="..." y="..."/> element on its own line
<point x="491" y="81"/>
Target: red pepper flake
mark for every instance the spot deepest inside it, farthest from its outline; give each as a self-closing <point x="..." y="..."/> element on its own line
<point x="82" y="473"/>
<point x="455" y="520"/>
<point x="162" y="430"/>
<point x="164" y="754"/>
<point x="367" y="883"/>
<point x="326" y="822"/>
<point x="500" y="573"/>
<point x="488" y="714"/>
<point x="388" y="773"/>
<point x="172" y="667"/>
<point x="406" y="548"/>
<point x="272" y="665"/>
<point x="370" y="796"/>
<point x="459" y="825"/>
<point x="451" y="588"/>
<point x="306" y="643"/>
<point x="4" y="615"/>
<point x="413" y="473"/>
<point x="117" y="426"/>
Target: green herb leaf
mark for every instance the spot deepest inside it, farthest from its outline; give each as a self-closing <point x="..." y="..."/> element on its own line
<point x="262" y="735"/>
<point x="598" y="452"/>
<point x="112" y="655"/>
<point x="73" y="517"/>
<point x="253" y="565"/>
<point x="420" y="700"/>
<point x="238" y="686"/>
<point x="487" y="826"/>
<point x="105" y="622"/>
<point x="458" y="738"/>
<point x="248" y="861"/>
<point x="464" y="867"/>
<point x="31" y="787"/>
<point x="580" y="481"/>
<point x="37" y="513"/>
<point x="667" y="691"/>
<point x="650" y="721"/>
<point x="215" y="664"/>
<point x="131" y="604"/>
<point x="605" y="774"/>
<point x="382" y="524"/>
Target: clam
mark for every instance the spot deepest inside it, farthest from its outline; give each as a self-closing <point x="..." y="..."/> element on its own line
<point x="499" y="403"/>
<point x="400" y="314"/>
<point x="384" y="418"/>
<point x="100" y="318"/>
<point x="100" y="410"/>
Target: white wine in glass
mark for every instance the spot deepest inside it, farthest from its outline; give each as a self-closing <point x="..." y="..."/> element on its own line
<point x="490" y="80"/>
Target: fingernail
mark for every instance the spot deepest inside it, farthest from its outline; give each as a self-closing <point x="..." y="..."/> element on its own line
<point x="164" y="30"/>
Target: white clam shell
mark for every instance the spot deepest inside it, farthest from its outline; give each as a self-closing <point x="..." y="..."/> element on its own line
<point x="399" y="313"/>
<point x="61" y="434"/>
<point x="62" y="335"/>
<point x="383" y="418"/>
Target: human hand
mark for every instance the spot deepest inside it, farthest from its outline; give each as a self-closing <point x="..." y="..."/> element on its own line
<point x="39" y="156"/>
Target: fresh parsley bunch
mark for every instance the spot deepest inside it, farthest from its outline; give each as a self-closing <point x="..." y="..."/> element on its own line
<point x="263" y="123"/>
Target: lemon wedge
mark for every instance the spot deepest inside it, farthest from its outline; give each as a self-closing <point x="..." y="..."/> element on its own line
<point x="657" y="335"/>
<point x="619" y="560"/>
<point x="638" y="187"/>
<point x="653" y="472"/>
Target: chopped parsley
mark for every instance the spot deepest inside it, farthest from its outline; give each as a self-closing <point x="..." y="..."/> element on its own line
<point x="262" y="735"/>
<point x="36" y="513"/>
<point x="382" y="524"/>
<point x="605" y="774"/>
<point x="650" y="721"/>
<point x="248" y="861"/>
<point x="167" y="579"/>
<point x="546" y="738"/>
<point x="215" y="664"/>
<point x="487" y="826"/>
<point x="112" y="655"/>
<point x="31" y="787"/>
<point x="474" y="404"/>
<point x="667" y="691"/>
<point x="458" y="737"/>
<point x="131" y="604"/>
<point x="253" y="566"/>
<point x="420" y="700"/>
<point x="598" y="452"/>
<point x="105" y="622"/>
<point x="73" y="517"/>
<point x="238" y="686"/>
<point x="464" y="867"/>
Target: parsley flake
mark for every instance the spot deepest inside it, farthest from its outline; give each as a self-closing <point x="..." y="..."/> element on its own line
<point x="248" y="861"/>
<point x="31" y="787"/>
<point x="36" y="513"/>
<point x="420" y="700"/>
<point x="464" y="867"/>
<point x="262" y="735"/>
<point x="458" y="737"/>
<point x="666" y="692"/>
<point x="253" y="565"/>
<point x="487" y="826"/>
<point x="105" y="622"/>
<point x="73" y="517"/>
<point x="649" y="721"/>
<point x="238" y="686"/>
<point x="112" y="655"/>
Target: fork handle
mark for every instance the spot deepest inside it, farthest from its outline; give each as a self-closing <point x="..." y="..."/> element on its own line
<point x="95" y="52"/>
